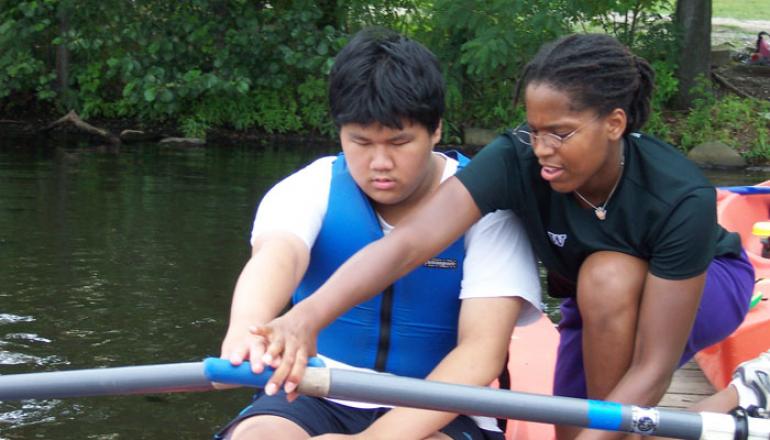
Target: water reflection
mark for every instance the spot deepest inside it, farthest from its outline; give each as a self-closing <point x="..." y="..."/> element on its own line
<point x="29" y="413"/>
<point x="6" y="318"/>
<point x="123" y="258"/>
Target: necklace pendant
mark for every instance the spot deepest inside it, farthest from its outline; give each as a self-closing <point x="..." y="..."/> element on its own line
<point x="601" y="213"/>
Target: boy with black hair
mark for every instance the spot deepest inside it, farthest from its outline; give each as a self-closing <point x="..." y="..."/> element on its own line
<point x="448" y="320"/>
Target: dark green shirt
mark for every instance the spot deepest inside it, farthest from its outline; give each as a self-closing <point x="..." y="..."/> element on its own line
<point x="663" y="210"/>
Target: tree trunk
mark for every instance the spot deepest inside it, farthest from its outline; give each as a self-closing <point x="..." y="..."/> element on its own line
<point x="693" y="20"/>
<point x="62" y="53"/>
<point x="330" y="14"/>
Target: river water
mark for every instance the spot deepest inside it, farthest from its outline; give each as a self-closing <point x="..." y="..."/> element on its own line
<point x="113" y="257"/>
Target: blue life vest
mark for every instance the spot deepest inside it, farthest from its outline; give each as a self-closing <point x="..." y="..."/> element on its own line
<point x="411" y="326"/>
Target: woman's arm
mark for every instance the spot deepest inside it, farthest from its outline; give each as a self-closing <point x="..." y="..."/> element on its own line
<point x="445" y="216"/>
<point x="666" y="315"/>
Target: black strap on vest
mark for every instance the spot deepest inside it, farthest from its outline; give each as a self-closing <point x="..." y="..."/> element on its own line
<point x="386" y="315"/>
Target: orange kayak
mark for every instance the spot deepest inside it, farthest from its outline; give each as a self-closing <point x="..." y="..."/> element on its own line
<point x="742" y="214"/>
<point x="531" y="364"/>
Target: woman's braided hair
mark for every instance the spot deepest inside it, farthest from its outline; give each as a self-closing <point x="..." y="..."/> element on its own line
<point x="597" y="72"/>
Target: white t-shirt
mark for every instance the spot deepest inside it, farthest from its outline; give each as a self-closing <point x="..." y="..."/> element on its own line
<point x="498" y="262"/>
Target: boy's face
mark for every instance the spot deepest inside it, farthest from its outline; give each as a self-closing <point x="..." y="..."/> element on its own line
<point x="391" y="166"/>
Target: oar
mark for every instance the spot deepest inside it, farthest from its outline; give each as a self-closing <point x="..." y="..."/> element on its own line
<point x="746" y="190"/>
<point x="388" y="389"/>
<point x="144" y="379"/>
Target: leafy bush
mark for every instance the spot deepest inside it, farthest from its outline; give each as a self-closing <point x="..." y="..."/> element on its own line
<point x="665" y="87"/>
<point x="483" y="46"/>
<point x="202" y="63"/>
<point x="239" y="64"/>
<point x="742" y="123"/>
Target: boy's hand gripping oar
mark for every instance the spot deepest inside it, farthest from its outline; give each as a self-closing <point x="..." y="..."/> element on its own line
<point x="387" y="389"/>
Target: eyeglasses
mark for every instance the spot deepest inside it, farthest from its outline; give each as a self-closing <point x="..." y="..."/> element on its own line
<point x="550" y="140"/>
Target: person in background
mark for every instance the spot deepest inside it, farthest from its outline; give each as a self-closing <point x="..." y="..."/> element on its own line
<point x="625" y="225"/>
<point x="762" y="53"/>
<point x="450" y="319"/>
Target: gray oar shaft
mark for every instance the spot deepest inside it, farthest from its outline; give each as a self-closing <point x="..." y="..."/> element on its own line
<point x="149" y="379"/>
<point x="401" y="391"/>
<point x="385" y="389"/>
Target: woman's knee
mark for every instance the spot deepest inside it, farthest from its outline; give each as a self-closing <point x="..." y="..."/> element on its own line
<point x="610" y="283"/>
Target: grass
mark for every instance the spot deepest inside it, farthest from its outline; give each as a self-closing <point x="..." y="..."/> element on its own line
<point x="742" y="9"/>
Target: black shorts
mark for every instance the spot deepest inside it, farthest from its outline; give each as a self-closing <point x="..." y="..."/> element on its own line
<point x="320" y="416"/>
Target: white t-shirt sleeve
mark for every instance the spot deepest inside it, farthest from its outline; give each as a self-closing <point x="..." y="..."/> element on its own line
<point x="499" y="261"/>
<point x="297" y="204"/>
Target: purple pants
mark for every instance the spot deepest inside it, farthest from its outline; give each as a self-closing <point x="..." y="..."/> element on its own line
<point x="725" y="302"/>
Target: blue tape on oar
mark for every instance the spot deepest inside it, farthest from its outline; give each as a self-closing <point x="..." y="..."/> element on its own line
<point x="222" y="371"/>
<point x="747" y="190"/>
<point x="604" y="415"/>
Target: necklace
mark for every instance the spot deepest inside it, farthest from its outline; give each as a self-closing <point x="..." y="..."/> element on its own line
<point x="601" y="211"/>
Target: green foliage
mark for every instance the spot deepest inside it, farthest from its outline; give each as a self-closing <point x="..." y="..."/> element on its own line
<point x="666" y="86"/>
<point x="203" y="63"/>
<point x="238" y="64"/>
<point x="483" y="46"/>
<point x="313" y="107"/>
<point x="742" y="123"/>
<point x="192" y="127"/>
<point x="23" y="65"/>
<point x="628" y="20"/>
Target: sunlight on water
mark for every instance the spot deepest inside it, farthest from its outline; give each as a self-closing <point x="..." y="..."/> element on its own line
<point x="123" y="258"/>
<point x="7" y="318"/>
<point x="30" y="412"/>
<point x="27" y="337"/>
<point x="11" y="358"/>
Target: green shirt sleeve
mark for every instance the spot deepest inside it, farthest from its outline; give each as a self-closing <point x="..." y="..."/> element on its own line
<point x="490" y="174"/>
<point x="686" y="241"/>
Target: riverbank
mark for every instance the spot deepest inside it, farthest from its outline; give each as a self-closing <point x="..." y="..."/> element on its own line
<point x="741" y="123"/>
<point x="129" y="132"/>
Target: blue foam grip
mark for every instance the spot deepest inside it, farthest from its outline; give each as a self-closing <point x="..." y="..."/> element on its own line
<point x="604" y="415"/>
<point x="222" y="371"/>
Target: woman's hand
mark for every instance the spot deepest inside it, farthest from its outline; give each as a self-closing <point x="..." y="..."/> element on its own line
<point x="291" y="340"/>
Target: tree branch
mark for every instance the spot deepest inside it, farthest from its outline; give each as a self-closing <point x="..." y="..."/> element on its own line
<point x="83" y="126"/>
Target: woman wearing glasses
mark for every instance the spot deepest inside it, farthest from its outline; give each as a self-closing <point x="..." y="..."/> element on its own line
<point x="625" y="225"/>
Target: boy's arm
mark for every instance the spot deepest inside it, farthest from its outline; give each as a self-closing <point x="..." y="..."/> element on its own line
<point x="444" y="217"/>
<point x="277" y="264"/>
<point x="484" y="334"/>
<point x="287" y="221"/>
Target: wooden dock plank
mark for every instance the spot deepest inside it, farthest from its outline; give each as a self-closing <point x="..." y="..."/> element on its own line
<point x="688" y="386"/>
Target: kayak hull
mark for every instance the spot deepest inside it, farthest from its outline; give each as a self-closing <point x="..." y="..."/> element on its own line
<point x="738" y="213"/>
<point x="531" y="364"/>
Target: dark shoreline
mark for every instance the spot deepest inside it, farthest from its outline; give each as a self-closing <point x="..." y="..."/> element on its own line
<point x="70" y="137"/>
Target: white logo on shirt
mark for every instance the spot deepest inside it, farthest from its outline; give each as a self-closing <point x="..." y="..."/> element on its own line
<point x="441" y="263"/>
<point x="557" y="239"/>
